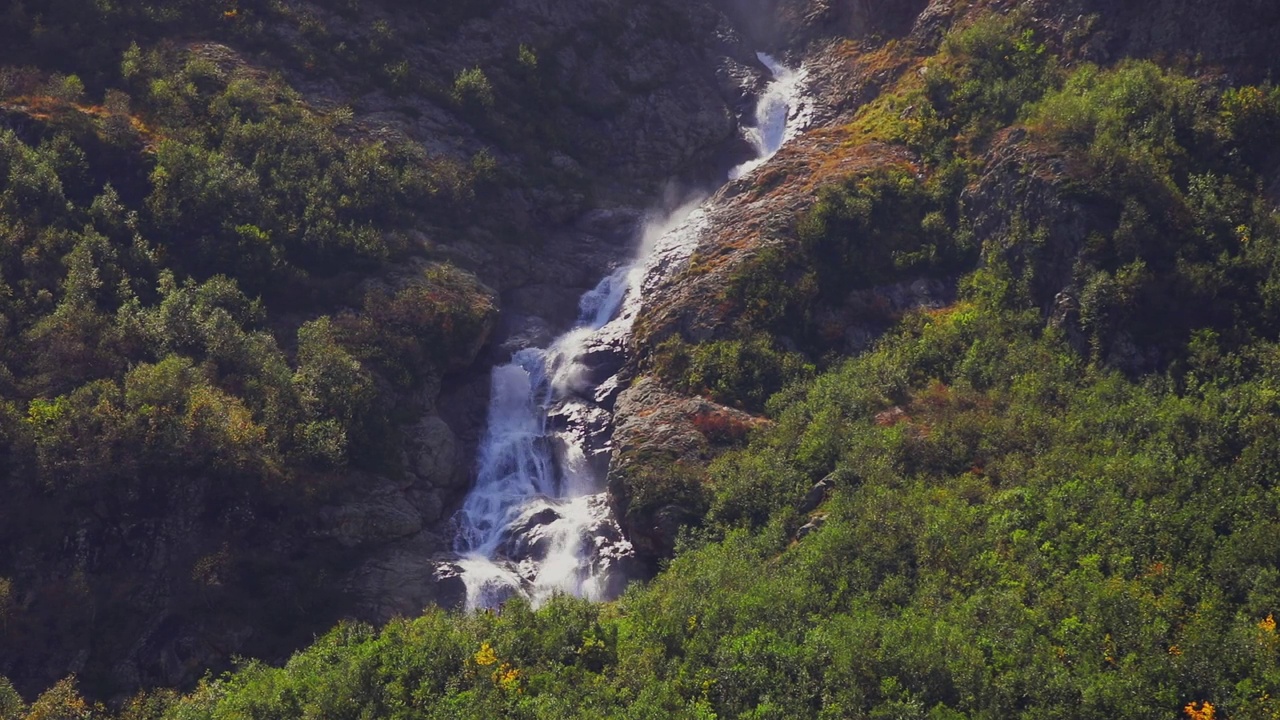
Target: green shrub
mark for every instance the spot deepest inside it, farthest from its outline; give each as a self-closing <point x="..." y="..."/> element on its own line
<point x="989" y="70"/>
<point x="336" y="394"/>
<point x="739" y="373"/>
<point x="433" y="323"/>
<point x="471" y="89"/>
<point x="1137" y="114"/>
<point x="11" y="705"/>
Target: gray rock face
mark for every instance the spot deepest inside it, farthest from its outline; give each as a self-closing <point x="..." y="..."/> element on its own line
<point x="1239" y="33"/>
<point x="792" y="23"/>
<point x="866" y="314"/>
<point x="432" y="454"/>
<point x="381" y="514"/>
<point x="630" y="89"/>
<point x="403" y="580"/>
<point x="401" y="529"/>
<point x="817" y="494"/>
<point x="529" y="539"/>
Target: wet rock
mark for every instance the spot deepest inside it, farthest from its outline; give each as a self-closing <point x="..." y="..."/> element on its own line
<point x="542" y="517"/>
<point x="602" y="358"/>
<point x="586" y="426"/>
<point x="450" y="589"/>
<point x="616" y="561"/>
<point x="616" y="225"/>
<point x="519" y="332"/>
<point x="547" y="300"/>
<point x="530" y="539"/>
<point x="494" y="583"/>
<point x="606" y="393"/>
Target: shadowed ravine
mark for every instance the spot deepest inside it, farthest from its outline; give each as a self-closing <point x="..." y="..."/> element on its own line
<point x="537" y="521"/>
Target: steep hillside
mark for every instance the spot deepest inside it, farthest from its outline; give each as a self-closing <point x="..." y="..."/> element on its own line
<point x="256" y="258"/>
<point x="964" y="406"/>
<point x="944" y="150"/>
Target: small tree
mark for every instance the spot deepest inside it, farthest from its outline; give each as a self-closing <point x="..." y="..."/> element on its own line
<point x="60" y="702"/>
<point x="11" y="705"/>
<point x="471" y="88"/>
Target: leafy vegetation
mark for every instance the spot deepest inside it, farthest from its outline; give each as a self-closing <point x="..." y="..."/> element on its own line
<point x="1056" y="497"/>
<point x="1012" y="533"/>
<point x="742" y="373"/>
<point x="200" y="324"/>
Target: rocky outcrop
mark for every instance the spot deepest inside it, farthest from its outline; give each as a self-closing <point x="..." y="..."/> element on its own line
<point x="1024" y="181"/>
<point x="1238" y="34"/>
<point x="844" y="43"/>
<point x="618" y="96"/>
<point x="405" y="578"/>
<point x="747" y="217"/>
<point x="662" y="440"/>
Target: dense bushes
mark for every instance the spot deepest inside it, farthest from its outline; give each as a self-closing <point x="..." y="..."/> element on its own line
<point x="1016" y="520"/>
<point x="257" y="186"/>
<point x="1011" y="533"/>
<point x="979" y="81"/>
<point x="879" y="229"/>
<point x="1020" y="530"/>
<point x="1187" y="242"/>
<point x="740" y="373"/>
<point x="1012" y="526"/>
<point x="197" y="325"/>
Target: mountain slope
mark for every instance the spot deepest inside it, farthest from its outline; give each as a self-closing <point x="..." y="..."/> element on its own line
<point x="245" y="244"/>
<point x="1006" y="317"/>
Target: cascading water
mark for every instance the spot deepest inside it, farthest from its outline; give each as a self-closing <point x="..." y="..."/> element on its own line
<point x="537" y="521"/>
<point x="775" y="111"/>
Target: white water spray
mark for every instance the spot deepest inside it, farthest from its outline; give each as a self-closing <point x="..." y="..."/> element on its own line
<point x="537" y="521"/>
<point x="777" y="112"/>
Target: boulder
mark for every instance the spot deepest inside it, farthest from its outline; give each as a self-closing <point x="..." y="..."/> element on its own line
<point x="817" y="494"/>
<point x="406" y="577"/>
<point x="375" y="517"/>
<point x="432" y="454"/>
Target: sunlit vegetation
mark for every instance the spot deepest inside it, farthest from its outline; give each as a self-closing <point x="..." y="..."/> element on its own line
<point x="1054" y="498"/>
<point x="1011" y="532"/>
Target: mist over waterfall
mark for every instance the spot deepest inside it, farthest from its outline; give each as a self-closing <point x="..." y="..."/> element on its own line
<point x="537" y="521"/>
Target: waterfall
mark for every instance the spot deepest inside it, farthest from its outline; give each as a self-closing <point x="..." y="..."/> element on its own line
<point x="775" y="115"/>
<point x="537" y="521"/>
